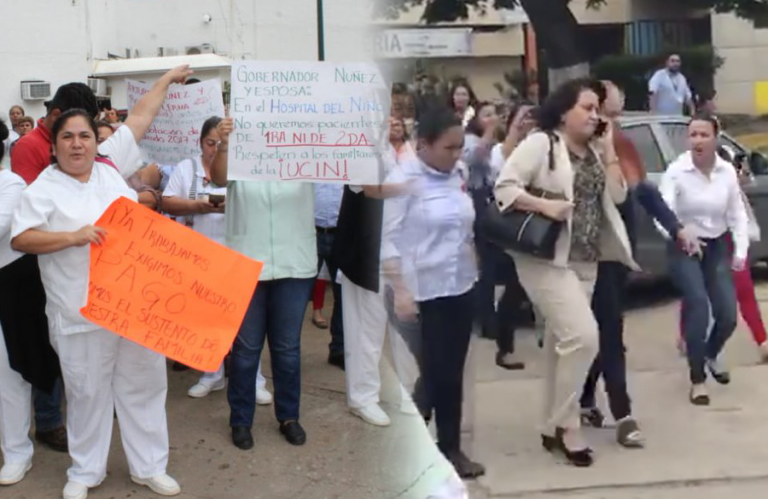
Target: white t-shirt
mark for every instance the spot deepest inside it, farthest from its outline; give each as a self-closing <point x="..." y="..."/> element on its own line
<point x="7" y="143"/>
<point x="121" y="148"/>
<point x="11" y="188"/>
<point x="211" y="225"/>
<point x="56" y="202"/>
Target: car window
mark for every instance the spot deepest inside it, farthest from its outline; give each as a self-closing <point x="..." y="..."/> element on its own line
<point x="725" y="141"/>
<point x="677" y="133"/>
<point x="644" y="141"/>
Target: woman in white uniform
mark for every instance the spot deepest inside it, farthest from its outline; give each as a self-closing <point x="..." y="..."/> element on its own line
<point x="15" y="393"/>
<point x="102" y="371"/>
<point x="188" y="197"/>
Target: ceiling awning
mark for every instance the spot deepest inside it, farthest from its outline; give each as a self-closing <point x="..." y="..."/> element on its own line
<point x="144" y="65"/>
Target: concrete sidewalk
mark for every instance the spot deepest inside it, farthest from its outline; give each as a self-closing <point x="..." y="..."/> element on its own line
<point x="344" y="458"/>
<point x="714" y="446"/>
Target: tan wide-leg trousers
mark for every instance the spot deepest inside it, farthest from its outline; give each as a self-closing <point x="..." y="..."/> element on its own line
<point x="563" y="295"/>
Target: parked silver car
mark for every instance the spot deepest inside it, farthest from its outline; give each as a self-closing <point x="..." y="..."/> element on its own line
<point x="659" y="140"/>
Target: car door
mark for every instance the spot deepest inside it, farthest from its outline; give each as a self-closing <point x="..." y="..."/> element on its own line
<point x="650" y="252"/>
<point x="676" y="135"/>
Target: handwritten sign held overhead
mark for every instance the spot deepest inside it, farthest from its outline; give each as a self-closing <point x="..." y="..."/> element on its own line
<point x="168" y="288"/>
<point x="175" y="133"/>
<point x="308" y="121"/>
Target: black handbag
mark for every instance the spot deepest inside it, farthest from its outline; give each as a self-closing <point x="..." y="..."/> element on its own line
<point x="526" y="232"/>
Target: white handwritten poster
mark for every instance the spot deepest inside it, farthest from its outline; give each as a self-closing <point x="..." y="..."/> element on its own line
<point x="175" y="133"/>
<point x="308" y="121"/>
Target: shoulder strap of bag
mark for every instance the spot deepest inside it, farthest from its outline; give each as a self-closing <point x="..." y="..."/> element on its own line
<point x="551" y="152"/>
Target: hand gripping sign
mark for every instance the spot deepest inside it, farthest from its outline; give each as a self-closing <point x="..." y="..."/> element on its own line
<point x="168" y="288"/>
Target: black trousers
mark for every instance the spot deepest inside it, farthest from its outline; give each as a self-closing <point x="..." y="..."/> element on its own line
<point x="611" y="362"/>
<point x="446" y="327"/>
<point x="511" y="314"/>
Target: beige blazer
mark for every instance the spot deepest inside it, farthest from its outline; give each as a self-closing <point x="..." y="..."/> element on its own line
<point x="528" y="166"/>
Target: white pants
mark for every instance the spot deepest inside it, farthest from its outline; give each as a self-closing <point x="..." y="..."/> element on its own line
<point x="102" y="373"/>
<point x="15" y="412"/>
<point x="365" y="327"/>
<point x="216" y="377"/>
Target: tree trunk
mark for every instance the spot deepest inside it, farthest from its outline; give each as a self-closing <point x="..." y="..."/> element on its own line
<point x="557" y="31"/>
<point x="558" y="76"/>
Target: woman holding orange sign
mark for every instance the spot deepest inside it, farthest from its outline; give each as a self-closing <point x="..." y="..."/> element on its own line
<point x="103" y="372"/>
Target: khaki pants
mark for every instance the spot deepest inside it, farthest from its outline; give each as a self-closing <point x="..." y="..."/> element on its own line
<point x="562" y="296"/>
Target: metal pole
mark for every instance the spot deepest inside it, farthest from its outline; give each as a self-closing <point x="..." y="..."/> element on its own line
<point x="320" y="32"/>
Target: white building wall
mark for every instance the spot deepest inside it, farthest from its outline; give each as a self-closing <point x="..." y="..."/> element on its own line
<point x="57" y="40"/>
<point x="40" y="40"/>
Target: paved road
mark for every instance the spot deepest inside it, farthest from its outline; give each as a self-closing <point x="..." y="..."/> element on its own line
<point x="344" y="457"/>
<point x="691" y="452"/>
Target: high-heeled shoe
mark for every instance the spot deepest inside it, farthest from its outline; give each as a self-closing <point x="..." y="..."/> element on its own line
<point x="581" y="458"/>
<point x="549" y="443"/>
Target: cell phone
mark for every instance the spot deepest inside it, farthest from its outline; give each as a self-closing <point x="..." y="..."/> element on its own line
<point x="601" y="128"/>
<point x="216" y="199"/>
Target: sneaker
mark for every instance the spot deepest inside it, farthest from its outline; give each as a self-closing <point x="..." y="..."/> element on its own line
<point x="699" y="395"/>
<point x="74" y="490"/>
<point x="14" y="472"/>
<point x="718" y="371"/>
<point x="202" y="389"/>
<point x="160" y="484"/>
<point x="372" y="414"/>
<point x="263" y="397"/>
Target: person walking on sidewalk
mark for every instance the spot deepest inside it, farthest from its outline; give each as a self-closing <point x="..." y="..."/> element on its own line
<point x="610" y="286"/>
<point x="703" y="190"/>
<point x="560" y="158"/>
<point x="428" y="256"/>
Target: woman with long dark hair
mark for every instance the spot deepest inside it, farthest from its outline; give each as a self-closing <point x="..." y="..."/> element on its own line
<point x="463" y="101"/>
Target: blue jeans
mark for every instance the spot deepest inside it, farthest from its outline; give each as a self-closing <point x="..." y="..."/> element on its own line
<point x="276" y="313"/>
<point x="324" y="250"/>
<point x="48" y="408"/>
<point x="705" y="283"/>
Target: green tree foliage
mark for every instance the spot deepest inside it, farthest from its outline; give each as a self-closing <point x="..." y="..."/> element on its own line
<point x="452" y="10"/>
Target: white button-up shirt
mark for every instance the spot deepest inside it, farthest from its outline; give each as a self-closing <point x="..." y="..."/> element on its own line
<point x="56" y="202"/>
<point x="430" y="230"/>
<point x="709" y="206"/>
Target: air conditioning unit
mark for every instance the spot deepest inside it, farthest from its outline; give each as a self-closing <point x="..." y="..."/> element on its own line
<point x="167" y="51"/>
<point x="205" y="48"/>
<point x="35" y="90"/>
<point x="99" y="87"/>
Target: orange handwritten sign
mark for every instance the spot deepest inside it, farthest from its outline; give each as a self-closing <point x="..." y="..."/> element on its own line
<point x="166" y="287"/>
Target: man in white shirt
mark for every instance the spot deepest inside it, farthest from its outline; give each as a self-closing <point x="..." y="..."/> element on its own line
<point x="668" y="89"/>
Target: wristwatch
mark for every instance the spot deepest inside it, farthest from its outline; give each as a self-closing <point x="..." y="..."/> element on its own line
<point x="219" y="147"/>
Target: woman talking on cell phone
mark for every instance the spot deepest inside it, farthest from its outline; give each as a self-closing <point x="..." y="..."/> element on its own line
<point x="558" y="173"/>
<point x="703" y="190"/>
<point x="199" y="203"/>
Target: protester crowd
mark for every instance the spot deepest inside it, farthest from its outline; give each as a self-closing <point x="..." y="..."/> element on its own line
<point x="539" y="200"/>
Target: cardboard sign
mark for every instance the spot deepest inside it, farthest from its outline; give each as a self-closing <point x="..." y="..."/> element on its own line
<point x="168" y="288"/>
<point x="175" y="132"/>
<point x="308" y="121"/>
